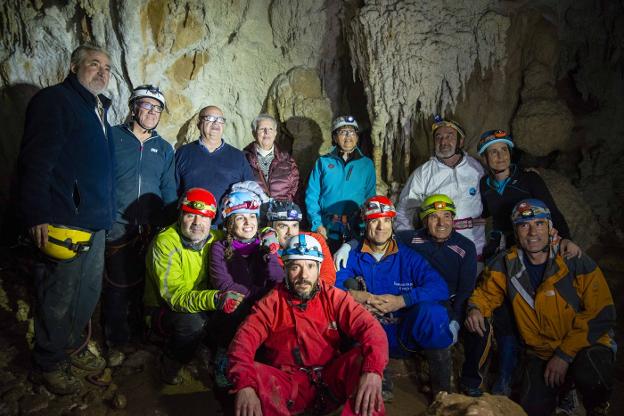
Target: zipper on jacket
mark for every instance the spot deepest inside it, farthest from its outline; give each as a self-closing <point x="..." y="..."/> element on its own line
<point x="349" y="173"/>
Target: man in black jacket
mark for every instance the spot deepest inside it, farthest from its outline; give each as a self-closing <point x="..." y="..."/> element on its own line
<point x="66" y="203"/>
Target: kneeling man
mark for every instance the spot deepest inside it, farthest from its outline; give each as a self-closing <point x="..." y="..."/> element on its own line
<point x="403" y="290"/>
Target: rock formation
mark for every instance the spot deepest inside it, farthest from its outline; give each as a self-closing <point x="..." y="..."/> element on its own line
<point x="548" y="71"/>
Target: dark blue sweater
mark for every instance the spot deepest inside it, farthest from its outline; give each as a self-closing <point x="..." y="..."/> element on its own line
<point x="455" y="259"/>
<point x="66" y="160"/>
<point x="144" y="178"/>
<point x="216" y="171"/>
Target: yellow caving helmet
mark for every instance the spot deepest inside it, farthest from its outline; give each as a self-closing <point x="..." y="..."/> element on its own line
<point x="437" y="202"/>
<point x="65" y="243"/>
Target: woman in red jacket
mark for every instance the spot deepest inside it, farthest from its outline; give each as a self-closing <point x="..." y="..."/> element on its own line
<point x="275" y="170"/>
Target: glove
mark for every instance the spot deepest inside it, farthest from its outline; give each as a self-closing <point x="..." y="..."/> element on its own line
<point x="454" y="328"/>
<point x="269" y="240"/>
<point x="342" y="254"/>
<point x="228" y="301"/>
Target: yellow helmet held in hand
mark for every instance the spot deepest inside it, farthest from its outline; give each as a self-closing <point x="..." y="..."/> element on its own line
<point x="437" y="202"/>
<point x="65" y="243"/>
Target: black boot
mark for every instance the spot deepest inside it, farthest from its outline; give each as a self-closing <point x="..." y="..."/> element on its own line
<point x="440" y="369"/>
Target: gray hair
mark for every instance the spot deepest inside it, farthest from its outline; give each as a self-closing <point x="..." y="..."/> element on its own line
<point x="260" y="117"/>
<point x="78" y="55"/>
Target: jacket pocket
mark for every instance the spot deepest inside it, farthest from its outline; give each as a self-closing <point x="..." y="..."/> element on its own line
<point x="76" y="197"/>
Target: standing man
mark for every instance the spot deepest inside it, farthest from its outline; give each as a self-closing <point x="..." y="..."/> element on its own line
<point x="301" y="325"/>
<point x="564" y="312"/>
<point x="275" y="170"/>
<point x="144" y="188"/>
<point x="339" y="183"/>
<point x="210" y="162"/>
<point x="450" y="172"/>
<point x="66" y="203"/>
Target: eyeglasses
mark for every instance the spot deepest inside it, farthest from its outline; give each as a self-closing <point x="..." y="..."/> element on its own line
<point x="212" y="119"/>
<point x="346" y="133"/>
<point x="149" y="106"/>
<point x="266" y="130"/>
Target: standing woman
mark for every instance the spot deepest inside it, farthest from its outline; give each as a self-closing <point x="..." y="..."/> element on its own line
<point x="274" y="169"/>
<point x="505" y="184"/>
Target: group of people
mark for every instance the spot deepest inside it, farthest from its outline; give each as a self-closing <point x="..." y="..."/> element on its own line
<point x="205" y="245"/>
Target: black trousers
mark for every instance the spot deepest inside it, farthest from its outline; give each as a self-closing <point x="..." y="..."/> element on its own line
<point x="591" y="373"/>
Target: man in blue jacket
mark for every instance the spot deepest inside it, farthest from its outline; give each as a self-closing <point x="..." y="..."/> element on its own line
<point x="339" y="183"/>
<point x="209" y="162"/>
<point x="145" y="191"/>
<point x="403" y="290"/>
<point x="66" y="203"/>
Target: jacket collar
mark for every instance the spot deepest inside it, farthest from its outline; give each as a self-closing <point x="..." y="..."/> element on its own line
<point x="355" y="154"/>
<point x="392" y="248"/>
<point x="72" y="82"/>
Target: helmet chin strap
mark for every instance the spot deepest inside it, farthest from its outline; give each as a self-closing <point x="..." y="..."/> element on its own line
<point x="136" y="120"/>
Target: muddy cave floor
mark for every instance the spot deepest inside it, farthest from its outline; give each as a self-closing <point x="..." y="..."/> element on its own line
<point x="137" y="390"/>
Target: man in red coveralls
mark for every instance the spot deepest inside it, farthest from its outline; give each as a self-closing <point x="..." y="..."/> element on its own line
<point x="300" y="324"/>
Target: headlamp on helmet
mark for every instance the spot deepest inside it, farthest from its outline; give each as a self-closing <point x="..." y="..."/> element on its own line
<point x="529" y="209"/>
<point x="148" y="91"/>
<point x="377" y="207"/>
<point x="344" y="121"/>
<point x="199" y="201"/>
<point x="437" y="202"/>
<point x="438" y="122"/>
<point x="241" y="202"/>
<point x="283" y="211"/>
<point x="490" y="137"/>
<point x="303" y="247"/>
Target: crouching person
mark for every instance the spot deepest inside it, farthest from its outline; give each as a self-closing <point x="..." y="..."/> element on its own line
<point x="564" y="312"/>
<point x="177" y="293"/>
<point x="403" y="290"/>
<point x="300" y="325"/>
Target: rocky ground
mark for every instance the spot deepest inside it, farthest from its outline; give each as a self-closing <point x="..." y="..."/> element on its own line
<point x="134" y="388"/>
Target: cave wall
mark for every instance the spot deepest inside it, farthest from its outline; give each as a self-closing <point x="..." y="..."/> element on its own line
<point x="549" y="71"/>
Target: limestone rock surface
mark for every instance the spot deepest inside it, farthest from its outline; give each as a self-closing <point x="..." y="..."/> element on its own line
<point x="460" y="405"/>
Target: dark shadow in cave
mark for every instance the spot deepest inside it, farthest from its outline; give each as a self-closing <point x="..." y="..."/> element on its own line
<point x="13" y="102"/>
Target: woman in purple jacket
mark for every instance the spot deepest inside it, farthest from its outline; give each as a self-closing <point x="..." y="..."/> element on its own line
<point x="245" y="262"/>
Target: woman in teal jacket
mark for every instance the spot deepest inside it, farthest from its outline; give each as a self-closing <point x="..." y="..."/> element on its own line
<point x="339" y="184"/>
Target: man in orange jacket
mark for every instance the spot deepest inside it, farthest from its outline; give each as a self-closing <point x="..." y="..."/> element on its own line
<point x="285" y="217"/>
<point x="301" y="325"/>
<point x="564" y="312"/>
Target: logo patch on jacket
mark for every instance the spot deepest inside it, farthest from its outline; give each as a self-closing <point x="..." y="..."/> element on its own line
<point x="418" y="240"/>
<point x="472" y="191"/>
<point x="154" y="150"/>
<point x="457" y="249"/>
<point x="333" y="325"/>
<point x="331" y="166"/>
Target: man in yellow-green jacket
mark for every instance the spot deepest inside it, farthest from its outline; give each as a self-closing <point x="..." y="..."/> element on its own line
<point x="177" y="288"/>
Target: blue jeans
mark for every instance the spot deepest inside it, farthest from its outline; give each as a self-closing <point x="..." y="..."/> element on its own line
<point x="66" y="296"/>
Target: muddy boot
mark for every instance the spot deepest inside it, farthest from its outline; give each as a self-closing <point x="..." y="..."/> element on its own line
<point x="387" y="387"/>
<point x="170" y="370"/>
<point x="60" y="381"/>
<point x="440" y="368"/>
<point x="87" y="361"/>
